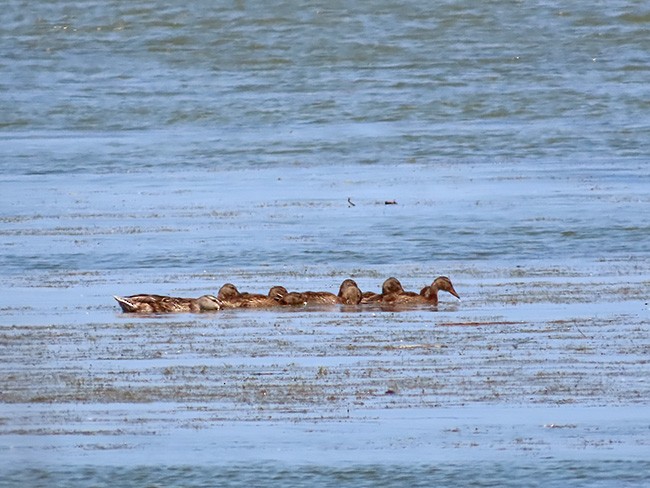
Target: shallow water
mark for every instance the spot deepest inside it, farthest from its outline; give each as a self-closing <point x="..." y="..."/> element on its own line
<point x="152" y="147"/>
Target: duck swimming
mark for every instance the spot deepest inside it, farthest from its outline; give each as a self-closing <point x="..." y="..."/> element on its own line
<point x="392" y="294"/>
<point x="309" y="297"/>
<point x="349" y="294"/>
<point x="427" y="296"/>
<point x="440" y="283"/>
<point x="165" y="304"/>
<point x="231" y="297"/>
<point x="391" y="286"/>
<point x="228" y="292"/>
<point x="368" y="296"/>
<point x="255" y="300"/>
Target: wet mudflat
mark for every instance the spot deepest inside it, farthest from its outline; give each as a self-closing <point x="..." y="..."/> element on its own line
<point x="533" y="362"/>
<point x="540" y="371"/>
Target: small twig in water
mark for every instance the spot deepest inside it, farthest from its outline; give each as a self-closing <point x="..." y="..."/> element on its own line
<point x="581" y="333"/>
<point x="350" y="202"/>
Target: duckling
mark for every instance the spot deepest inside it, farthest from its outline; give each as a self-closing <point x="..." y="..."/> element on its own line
<point x="165" y="304"/>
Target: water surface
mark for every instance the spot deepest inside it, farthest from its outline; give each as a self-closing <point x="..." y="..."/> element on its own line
<point x="166" y="148"/>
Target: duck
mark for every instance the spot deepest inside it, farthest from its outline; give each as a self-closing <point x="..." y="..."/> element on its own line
<point x="441" y="283"/>
<point x="293" y="298"/>
<point x="231" y="297"/>
<point x="369" y="297"/>
<point x="146" y="303"/>
<point x="255" y="300"/>
<point x="309" y="297"/>
<point x="390" y="286"/>
<point x="228" y="291"/>
<point x="349" y="294"/>
<point x="427" y="296"/>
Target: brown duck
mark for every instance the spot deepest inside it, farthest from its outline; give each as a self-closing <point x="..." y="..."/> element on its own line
<point x="349" y="294"/>
<point x="165" y="304"/>
<point x="391" y="286"/>
<point x="228" y="292"/>
<point x="255" y="300"/>
<point x="231" y="297"/>
<point x="427" y="296"/>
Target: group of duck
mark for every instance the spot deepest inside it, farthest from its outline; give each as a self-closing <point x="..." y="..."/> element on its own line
<point x="392" y="295"/>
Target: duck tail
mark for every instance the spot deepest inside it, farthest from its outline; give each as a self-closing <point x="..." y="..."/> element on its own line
<point x="125" y="304"/>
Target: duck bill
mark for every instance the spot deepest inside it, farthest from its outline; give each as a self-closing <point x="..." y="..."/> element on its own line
<point x="453" y="292"/>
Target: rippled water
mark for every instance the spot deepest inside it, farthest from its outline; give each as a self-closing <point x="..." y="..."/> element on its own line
<point x="168" y="147"/>
<point x="461" y="474"/>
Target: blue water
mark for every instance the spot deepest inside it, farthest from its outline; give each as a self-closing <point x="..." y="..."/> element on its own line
<point x="501" y="130"/>
<point x="167" y="147"/>
<point x="452" y="474"/>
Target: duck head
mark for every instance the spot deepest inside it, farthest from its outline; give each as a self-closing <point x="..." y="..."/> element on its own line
<point x="349" y="292"/>
<point x="444" y="283"/>
<point x="208" y="303"/>
<point x="440" y="283"/>
<point x="391" y="285"/>
<point x="228" y="292"/>
<point x="277" y="292"/>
